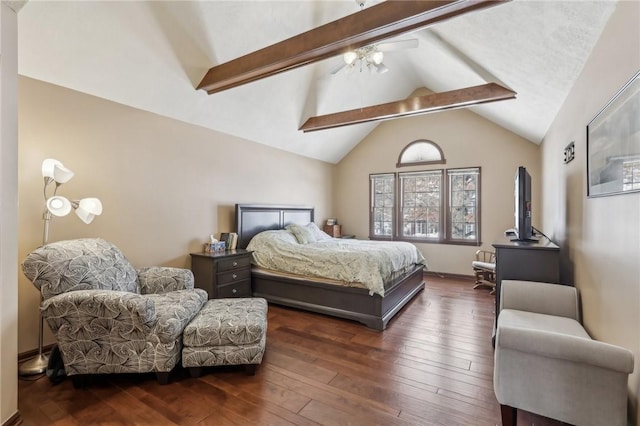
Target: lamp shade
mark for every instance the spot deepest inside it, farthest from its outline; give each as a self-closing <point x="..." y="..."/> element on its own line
<point x="88" y="208"/>
<point x="55" y="170"/>
<point x="58" y="206"/>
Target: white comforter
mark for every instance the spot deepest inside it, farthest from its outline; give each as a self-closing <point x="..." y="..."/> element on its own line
<point x="370" y="263"/>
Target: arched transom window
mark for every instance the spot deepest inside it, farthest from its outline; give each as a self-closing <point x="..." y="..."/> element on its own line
<point x="421" y="152"/>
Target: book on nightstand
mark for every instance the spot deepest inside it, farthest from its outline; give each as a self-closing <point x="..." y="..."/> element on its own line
<point x="230" y="240"/>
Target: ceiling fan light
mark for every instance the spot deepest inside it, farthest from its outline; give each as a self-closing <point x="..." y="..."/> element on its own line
<point x="377" y="57"/>
<point x="350" y="57"/>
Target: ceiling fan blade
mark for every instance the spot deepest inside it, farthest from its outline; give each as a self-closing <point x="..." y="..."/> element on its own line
<point x="339" y="69"/>
<point x="397" y="45"/>
<point x="380" y="68"/>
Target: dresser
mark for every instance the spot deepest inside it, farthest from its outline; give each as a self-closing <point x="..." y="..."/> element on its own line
<point x="223" y="274"/>
<point x="525" y="261"/>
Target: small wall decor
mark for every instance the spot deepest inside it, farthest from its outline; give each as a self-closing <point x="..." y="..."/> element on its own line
<point x="569" y="152"/>
<point x="613" y="144"/>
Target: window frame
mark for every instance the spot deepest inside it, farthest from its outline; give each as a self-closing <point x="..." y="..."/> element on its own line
<point x="449" y="237"/>
<point x="372" y="221"/>
<point x="445" y="214"/>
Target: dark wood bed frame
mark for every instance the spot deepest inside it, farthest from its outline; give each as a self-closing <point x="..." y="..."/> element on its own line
<point x="344" y="302"/>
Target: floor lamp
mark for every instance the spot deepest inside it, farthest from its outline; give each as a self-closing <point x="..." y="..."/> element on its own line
<point x="86" y="209"/>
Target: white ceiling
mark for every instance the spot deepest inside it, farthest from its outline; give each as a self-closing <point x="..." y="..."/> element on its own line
<point x="151" y="55"/>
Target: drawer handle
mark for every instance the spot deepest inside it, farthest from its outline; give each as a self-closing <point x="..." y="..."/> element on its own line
<point x="234" y="276"/>
<point x="235" y="263"/>
<point x="234" y="291"/>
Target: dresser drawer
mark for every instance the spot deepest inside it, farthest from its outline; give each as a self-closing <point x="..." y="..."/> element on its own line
<point x="233" y="276"/>
<point x="236" y="289"/>
<point x="235" y="262"/>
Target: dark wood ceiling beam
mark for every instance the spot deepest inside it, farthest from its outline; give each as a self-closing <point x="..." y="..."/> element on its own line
<point x="490" y="92"/>
<point x="376" y="23"/>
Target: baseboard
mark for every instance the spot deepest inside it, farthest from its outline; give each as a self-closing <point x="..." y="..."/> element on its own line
<point x="30" y="354"/>
<point x="448" y="275"/>
<point x="13" y="420"/>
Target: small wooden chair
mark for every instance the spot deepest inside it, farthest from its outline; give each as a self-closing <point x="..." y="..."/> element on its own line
<point x="484" y="268"/>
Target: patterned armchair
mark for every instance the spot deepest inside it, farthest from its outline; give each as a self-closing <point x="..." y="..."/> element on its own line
<point x="108" y="317"/>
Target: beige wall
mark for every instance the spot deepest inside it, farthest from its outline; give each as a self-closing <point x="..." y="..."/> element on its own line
<point x="8" y="213"/>
<point x="600" y="236"/>
<point x="467" y="140"/>
<point x="165" y="185"/>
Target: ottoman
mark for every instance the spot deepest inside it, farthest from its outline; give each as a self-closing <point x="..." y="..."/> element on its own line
<point x="226" y="332"/>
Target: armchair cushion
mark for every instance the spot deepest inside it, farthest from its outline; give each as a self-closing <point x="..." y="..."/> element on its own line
<point x="82" y="264"/>
<point x="542" y="298"/>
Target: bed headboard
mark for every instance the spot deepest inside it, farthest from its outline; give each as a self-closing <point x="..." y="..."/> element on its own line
<point x="252" y="219"/>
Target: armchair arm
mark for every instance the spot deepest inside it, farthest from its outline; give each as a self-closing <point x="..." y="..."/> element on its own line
<point x="95" y="314"/>
<point x="160" y="279"/>
<point x="566" y="347"/>
<point x="542" y="298"/>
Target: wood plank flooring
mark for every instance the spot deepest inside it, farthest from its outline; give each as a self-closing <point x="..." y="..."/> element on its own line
<point x="432" y="366"/>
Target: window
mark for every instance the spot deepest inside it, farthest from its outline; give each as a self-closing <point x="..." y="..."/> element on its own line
<point x="421" y="204"/>
<point x="463" y="204"/>
<point x="439" y="206"/>
<point x="382" y="205"/>
<point x="421" y="152"/>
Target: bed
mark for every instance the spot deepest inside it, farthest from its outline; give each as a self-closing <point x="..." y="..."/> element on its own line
<point x="314" y="294"/>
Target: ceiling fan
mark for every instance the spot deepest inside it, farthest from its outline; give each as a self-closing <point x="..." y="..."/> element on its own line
<point x="371" y="57"/>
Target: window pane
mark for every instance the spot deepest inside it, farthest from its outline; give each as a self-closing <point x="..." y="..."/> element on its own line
<point x="382" y="204"/>
<point x="420" y="203"/>
<point x="463" y="204"/>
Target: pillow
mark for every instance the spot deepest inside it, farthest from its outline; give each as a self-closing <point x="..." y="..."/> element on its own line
<point x="319" y="234"/>
<point x="303" y="234"/>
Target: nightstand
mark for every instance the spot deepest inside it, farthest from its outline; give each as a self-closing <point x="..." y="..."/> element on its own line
<point x="223" y="274"/>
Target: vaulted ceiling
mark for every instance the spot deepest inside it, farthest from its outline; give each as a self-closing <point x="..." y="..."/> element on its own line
<point x="152" y="55"/>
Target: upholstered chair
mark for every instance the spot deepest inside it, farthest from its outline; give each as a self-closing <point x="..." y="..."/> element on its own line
<point x="108" y="317"/>
<point x="546" y="362"/>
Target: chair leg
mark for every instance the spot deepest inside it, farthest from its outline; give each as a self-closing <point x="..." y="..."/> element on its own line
<point x="79" y="381"/>
<point x="250" y="369"/>
<point x="195" y="372"/>
<point x="162" y="377"/>
<point x="509" y="415"/>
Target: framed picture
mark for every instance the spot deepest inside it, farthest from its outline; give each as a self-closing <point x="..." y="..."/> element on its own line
<point x="613" y="144"/>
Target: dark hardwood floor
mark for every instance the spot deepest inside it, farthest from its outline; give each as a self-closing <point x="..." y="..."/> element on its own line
<point x="432" y="366"/>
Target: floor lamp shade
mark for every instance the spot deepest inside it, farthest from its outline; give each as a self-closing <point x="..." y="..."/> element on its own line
<point x="55" y="170"/>
<point x="58" y="206"/>
<point x="87" y="209"/>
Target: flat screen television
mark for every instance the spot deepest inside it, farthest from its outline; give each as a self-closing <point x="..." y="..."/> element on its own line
<point x="522" y="228"/>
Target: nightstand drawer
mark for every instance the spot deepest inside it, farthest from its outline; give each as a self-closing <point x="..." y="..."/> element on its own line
<point x="233" y="276"/>
<point x="236" y="289"/>
<point x="235" y="262"/>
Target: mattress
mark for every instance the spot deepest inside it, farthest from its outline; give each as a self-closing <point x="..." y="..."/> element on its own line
<point x="370" y="264"/>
